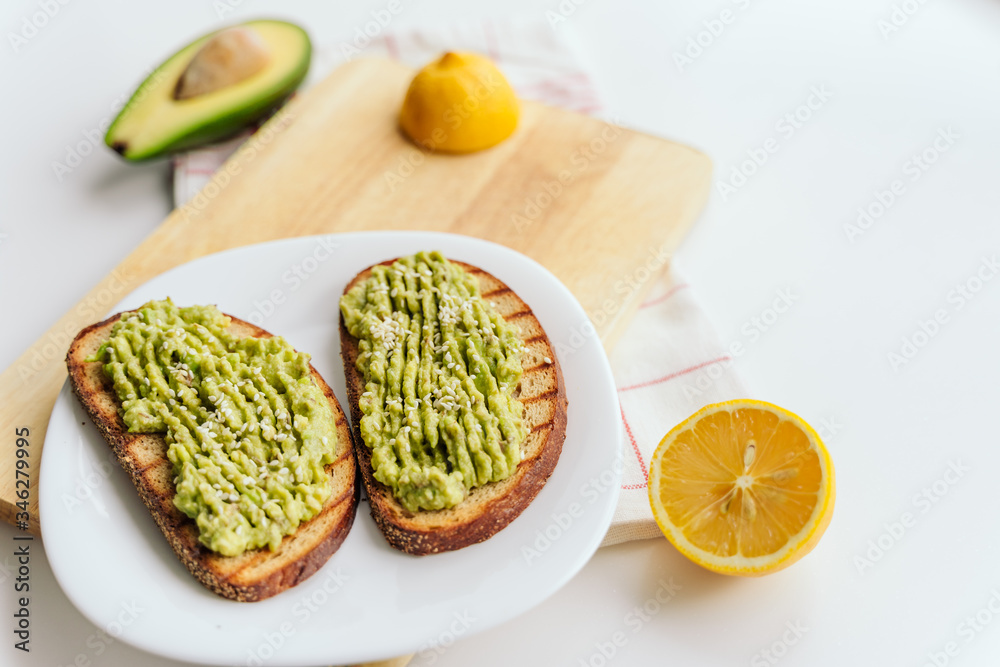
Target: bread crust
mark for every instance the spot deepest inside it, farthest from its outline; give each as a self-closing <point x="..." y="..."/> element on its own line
<point x="491" y="507"/>
<point x="254" y="575"/>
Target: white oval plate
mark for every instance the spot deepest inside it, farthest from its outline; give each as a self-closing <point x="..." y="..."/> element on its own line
<point x="369" y="601"/>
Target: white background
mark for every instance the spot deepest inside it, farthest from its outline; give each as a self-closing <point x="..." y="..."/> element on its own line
<point x="895" y="431"/>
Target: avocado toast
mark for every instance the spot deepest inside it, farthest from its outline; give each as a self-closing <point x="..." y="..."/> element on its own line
<point x="231" y="438"/>
<point x="456" y="398"/>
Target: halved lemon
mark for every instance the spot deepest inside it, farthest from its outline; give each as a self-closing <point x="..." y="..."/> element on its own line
<point x="742" y="487"/>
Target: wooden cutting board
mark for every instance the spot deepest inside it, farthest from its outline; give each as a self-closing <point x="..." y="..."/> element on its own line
<point x="600" y="206"/>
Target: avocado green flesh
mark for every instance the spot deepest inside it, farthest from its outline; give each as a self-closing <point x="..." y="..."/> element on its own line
<point x="440" y="368"/>
<point x="153" y="123"/>
<point x="247" y="429"/>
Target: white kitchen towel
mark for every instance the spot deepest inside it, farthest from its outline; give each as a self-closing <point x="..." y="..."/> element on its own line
<point x="669" y="362"/>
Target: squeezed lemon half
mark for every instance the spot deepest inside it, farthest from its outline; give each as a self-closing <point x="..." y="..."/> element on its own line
<point x="459" y="103"/>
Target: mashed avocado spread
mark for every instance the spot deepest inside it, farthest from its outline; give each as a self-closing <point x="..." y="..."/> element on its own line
<point x="440" y="368"/>
<point x="248" y="430"/>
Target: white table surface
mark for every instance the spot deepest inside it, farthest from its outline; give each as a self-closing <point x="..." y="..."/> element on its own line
<point x="896" y="431"/>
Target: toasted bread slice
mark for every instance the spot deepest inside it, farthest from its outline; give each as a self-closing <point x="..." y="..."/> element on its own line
<point x="253" y="575"/>
<point x="491" y="507"/>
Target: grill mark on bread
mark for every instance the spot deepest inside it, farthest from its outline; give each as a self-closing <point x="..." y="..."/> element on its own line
<point x="142" y="469"/>
<point x="348" y="451"/>
<point x="537" y="368"/>
<point x="539" y="397"/>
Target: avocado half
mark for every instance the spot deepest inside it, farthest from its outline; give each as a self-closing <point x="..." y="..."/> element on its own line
<point x="154" y="123"/>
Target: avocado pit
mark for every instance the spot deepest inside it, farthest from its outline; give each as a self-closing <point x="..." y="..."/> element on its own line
<point x="229" y="57"/>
